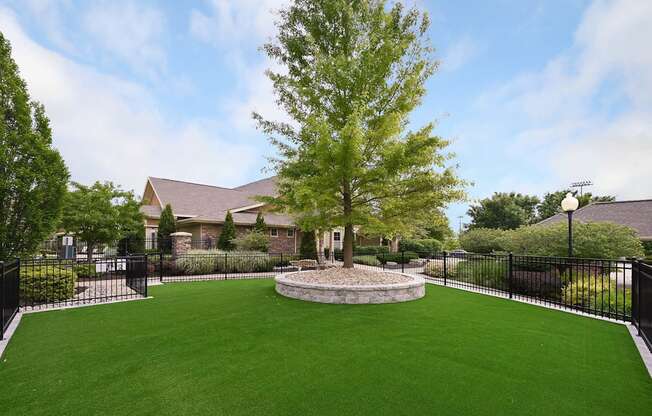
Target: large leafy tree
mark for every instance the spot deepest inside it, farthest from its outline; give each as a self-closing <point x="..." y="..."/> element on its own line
<point x="354" y="71"/>
<point x="551" y="203"/>
<point x="504" y="211"/>
<point x="167" y="225"/>
<point x="100" y="214"/>
<point x="33" y="176"/>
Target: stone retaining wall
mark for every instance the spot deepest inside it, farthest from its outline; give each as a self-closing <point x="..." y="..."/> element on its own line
<point x="369" y="294"/>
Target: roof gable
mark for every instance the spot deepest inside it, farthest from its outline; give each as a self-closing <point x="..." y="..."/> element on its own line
<point x="209" y="202"/>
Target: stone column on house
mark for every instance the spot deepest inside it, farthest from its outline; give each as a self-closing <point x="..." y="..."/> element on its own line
<point x="181" y="243"/>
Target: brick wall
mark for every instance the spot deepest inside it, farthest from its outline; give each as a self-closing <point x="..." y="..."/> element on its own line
<point x="279" y="244"/>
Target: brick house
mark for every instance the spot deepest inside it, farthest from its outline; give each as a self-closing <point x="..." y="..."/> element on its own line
<point x="201" y="209"/>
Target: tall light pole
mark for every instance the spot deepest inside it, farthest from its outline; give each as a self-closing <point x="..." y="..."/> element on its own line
<point x="569" y="205"/>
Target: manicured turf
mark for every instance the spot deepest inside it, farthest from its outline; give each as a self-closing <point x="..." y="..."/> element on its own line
<point x="237" y="348"/>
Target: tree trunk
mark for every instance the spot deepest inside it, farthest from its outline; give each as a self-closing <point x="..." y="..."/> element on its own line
<point x="89" y="253"/>
<point x="347" y="250"/>
<point x="320" y="247"/>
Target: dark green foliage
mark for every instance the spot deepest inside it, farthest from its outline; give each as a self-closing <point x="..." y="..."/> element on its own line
<point x="597" y="292"/>
<point x="167" y="225"/>
<point x="422" y="246"/>
<point x="47" y="283"/>
<point x="483" y="240"/>
<point x="399" y="258"/>
<point x="33" y="176"/>
<point x="647" y="248"/>
<point x="260" y="225"/>
<point x="308" y="247"/>
<point x="228" y="234"/>
<point x="506" y="211"/>
<point x="551" y="203"/>
<point x="370" y="250"/>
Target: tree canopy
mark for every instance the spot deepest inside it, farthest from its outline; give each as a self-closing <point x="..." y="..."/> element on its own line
<point x="33" y="176"/>
<point x="551" y="203"/>
<point x="504" y="211"/>
<point x="354" y="71"/>
<point x="100" y="214"/>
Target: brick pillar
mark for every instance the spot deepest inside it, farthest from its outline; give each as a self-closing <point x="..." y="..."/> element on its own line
<point x="181" y="243"/>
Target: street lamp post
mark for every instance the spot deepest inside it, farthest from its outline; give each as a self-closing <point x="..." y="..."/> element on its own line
<point x="569" y="205"/>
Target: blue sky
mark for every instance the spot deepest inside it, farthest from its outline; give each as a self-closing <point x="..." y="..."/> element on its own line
<point x="533" y="94"/>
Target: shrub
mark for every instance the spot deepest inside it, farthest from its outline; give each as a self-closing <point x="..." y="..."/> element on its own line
<point x="367" y="260"/>
<point x="308" y="247"/>
<point x="370" y="250"/>
<point x="435" y="268"/>
<point x="486" y="272"/>
<point x="85" y="270"/>
<point x="252" y="241"/>
<point x="228" y="234"/>
<point x="597" y="292"/>
<point x="483" y="240"/>
<point x="590" y="240"/>
<point x="403" y="257"/>
<point x="451" y="243"/>
<point x="215" y="261"/>
<point x="421" y="246"/>
<point x="47" y="283"/>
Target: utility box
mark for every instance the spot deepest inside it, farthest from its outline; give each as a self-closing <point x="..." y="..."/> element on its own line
<point x="68" y="249"/>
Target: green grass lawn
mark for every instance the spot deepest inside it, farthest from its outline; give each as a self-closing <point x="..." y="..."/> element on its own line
<point x="238" y="348"/>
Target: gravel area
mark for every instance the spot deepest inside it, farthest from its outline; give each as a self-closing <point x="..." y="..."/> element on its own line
<point x="349" y="277"/>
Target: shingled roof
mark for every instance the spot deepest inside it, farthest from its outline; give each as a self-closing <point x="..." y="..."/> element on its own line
<point x="634" y="214"/>
<point x="207" y="203"/>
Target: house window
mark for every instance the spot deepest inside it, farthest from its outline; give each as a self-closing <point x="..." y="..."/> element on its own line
<point x="290" y="232"/>
<point x="336" y="236"/>
<point x="273" y="232"/>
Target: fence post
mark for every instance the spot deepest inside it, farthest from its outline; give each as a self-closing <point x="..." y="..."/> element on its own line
<point x="160" y="267"/>
<point x="282" y="264"/>
<point x="510" y="275"/>
<point x="445" y="268"/>
<point x="226" y="265"/>
<point x="146" y="273"/>
<point x="636" y="273"/>
<point x="2" y="299"/>
<point x="402" y="261"/>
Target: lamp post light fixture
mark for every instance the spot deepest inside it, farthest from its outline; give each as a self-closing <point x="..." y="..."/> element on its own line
<point x="569" y="205"/>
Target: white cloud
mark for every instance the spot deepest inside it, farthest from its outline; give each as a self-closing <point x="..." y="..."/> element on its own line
<point x="230" y="22"/>
<point x="130" y="31"/>
<point x="459" y="54"/>
<point x="588" y="113"/>
<point x="49" y="14"/>
<point x="110" y="129"/>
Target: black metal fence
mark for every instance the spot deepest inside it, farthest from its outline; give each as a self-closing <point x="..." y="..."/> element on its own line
<point x="79" y="250"/>
<point x="594" y="286"/>
<point x="218" y="266"/>
<point x="9" y="293"/>
<point x="48" y="283"/>
<point x="642" y="301"/>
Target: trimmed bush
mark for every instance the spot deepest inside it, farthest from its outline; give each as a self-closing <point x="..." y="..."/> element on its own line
<point x="483" y="240"/>
<point x="85" y="270"/>
<point x="47" y="283"/>
<point x="252" y="241"/>
<point x="590" y="240"/>
<point x="367" y="260"/>
<point x="421" y="246"/>
<point x="370" y="250"/>
<point x="488" y="273"/>
<point x="597" y="293"/>
<point x="403" y="257"/>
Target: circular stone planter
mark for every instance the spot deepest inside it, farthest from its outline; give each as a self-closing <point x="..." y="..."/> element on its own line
<point x="349" y="294"/>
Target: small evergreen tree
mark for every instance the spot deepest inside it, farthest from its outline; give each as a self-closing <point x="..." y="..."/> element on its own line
<point x="225" y="242"/>
<point x="167" y="225"/>
<point x="308" y="248"/>
<point x="260" y="225"/>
